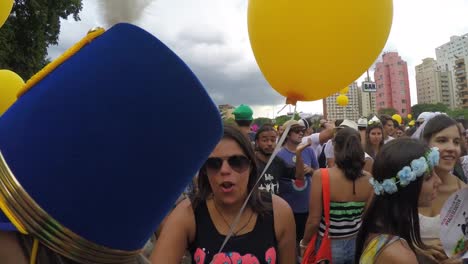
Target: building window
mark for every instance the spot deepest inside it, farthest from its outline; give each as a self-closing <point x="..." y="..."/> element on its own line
<point x="403" y="111"/>
<point x="403" y="101"/>
<point x="402" y="92"/>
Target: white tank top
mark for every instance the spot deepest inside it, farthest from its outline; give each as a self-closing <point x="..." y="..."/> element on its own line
<point x="429" y="227"/>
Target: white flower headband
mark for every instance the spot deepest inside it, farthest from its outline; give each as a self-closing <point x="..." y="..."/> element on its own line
<point x="374" y="120"/>
<point x="407" y="174"/>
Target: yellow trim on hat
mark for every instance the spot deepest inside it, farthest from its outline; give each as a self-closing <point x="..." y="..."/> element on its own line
<point x="39" y="224"/>
<point x="11" y="217"/>
<point x="61" y="59"/>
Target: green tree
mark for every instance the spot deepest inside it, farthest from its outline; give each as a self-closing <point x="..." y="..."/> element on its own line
<point x="417" y="109"/>
<point x="261" y="121"/>
<point x="32" y="27"/>
<point x="387" y="111"/>
<point x="280" y="120"/>
<point x="458" y="113"/>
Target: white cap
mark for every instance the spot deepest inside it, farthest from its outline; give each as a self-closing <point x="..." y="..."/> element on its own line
<point x="348" y="123"/>
<point x="362" y="122"/>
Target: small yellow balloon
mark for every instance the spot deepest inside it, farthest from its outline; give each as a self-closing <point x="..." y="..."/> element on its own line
<point x="411" y="123"/>
<point x="5" y="9"/>
<point x="344" y="90"/>
<point x="397" y="117"/>
<point x="10" y="84"/>
<point x="342" y="100"/>
<point x="303" y="47"/>
<point x="410" y="116"/>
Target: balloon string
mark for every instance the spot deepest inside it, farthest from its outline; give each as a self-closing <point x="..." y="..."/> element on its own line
<point x="237" y="219"/>
<point x="284" y="108"/>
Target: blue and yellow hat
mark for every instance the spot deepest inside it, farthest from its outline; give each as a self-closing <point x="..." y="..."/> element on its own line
<point x="85" y="167"/>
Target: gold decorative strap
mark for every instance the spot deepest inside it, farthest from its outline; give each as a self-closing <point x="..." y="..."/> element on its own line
<point x="92" y="34"/>
<point x="29" y="217"/>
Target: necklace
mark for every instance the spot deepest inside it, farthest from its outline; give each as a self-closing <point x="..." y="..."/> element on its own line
<point x="227" y="223"/>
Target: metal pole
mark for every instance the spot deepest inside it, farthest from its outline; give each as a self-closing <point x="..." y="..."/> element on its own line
<point x="370" y="94"/>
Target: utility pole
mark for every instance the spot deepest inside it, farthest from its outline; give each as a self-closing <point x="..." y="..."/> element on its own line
<point x="370" y="94"/>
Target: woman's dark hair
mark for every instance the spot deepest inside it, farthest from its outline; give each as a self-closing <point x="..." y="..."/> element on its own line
<point x="394" y="214"/>
<point x="410" y="131"/>
<point x="385" y="118"/>
<point x="349" y="155"/>
<point x="437" y="124"/>
<point x="368" y="147"/>
<point x="204" y="189"/>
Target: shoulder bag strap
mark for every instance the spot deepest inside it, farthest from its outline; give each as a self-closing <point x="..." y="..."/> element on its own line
<point x="326" y="196"/>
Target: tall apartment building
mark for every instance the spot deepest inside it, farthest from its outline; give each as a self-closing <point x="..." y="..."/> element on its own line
<point x="391" y="78"/>
<point x="433" y="85"/>
<point x="460" y="81"/>
<point x="331" y="110"/>
<point x="446" y="56"/>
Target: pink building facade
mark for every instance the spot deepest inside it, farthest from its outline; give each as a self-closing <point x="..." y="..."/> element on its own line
<point x="391" y="78"/>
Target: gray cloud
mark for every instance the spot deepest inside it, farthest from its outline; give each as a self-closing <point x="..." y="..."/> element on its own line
<point x="219" y="59"/>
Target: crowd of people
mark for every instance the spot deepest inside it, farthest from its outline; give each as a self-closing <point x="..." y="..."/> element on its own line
<point x="384" y="206"/>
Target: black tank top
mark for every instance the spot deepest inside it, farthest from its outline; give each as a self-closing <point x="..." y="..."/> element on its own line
<point x="255" y="247"/>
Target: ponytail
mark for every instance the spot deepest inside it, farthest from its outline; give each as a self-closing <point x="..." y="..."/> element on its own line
<point x="349" y="154"/>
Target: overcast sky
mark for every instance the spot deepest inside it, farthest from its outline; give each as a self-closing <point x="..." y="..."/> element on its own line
<point x="211" y="37"/>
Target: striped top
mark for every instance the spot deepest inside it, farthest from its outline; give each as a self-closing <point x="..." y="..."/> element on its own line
<point x="345" y="219"/>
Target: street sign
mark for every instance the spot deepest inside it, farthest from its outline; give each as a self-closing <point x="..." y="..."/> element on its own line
<point x="369" y="87"/>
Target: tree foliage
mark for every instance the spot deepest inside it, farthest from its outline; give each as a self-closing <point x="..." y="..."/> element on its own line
<point x="280" y="120"/>
<point x="387" y="111"/>
<point x="417" y="109"/>
<point x="261" y="121"/>
<point x="32" y="27"/>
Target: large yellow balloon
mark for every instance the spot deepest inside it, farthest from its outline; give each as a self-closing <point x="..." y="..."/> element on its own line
<point x="397" y="117"/>
<point x="10" y="84"/>
<point x="342" y="100"/>
<point x="5" y="9"/>
<point x="306" y="49"/>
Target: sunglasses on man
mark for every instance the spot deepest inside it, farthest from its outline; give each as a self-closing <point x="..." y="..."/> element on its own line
<point x="297" y="130"/>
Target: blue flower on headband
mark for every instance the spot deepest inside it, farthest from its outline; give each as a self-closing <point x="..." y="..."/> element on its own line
<point x="419" y="166"/>
<point x="433" y="157"/>
<point x="406" y="175"/>
<point x="389" y="186"/>
<point x="378" y="189"/>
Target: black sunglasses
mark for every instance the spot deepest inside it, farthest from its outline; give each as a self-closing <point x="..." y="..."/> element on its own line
<point x="297" y="129"/>
<point x="238" y="163"/>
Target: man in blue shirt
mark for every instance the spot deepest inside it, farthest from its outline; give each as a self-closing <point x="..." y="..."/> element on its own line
<point x="296" y="191"/>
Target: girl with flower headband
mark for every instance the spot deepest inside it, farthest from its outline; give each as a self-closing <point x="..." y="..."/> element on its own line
<point x="403" y="180"/>
<point x="442" y="132"/>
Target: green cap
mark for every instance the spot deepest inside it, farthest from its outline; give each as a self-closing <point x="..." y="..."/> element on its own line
<point x="243" y="112"/>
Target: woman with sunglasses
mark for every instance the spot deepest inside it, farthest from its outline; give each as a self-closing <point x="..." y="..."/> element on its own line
<point x="264" y="232"/>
